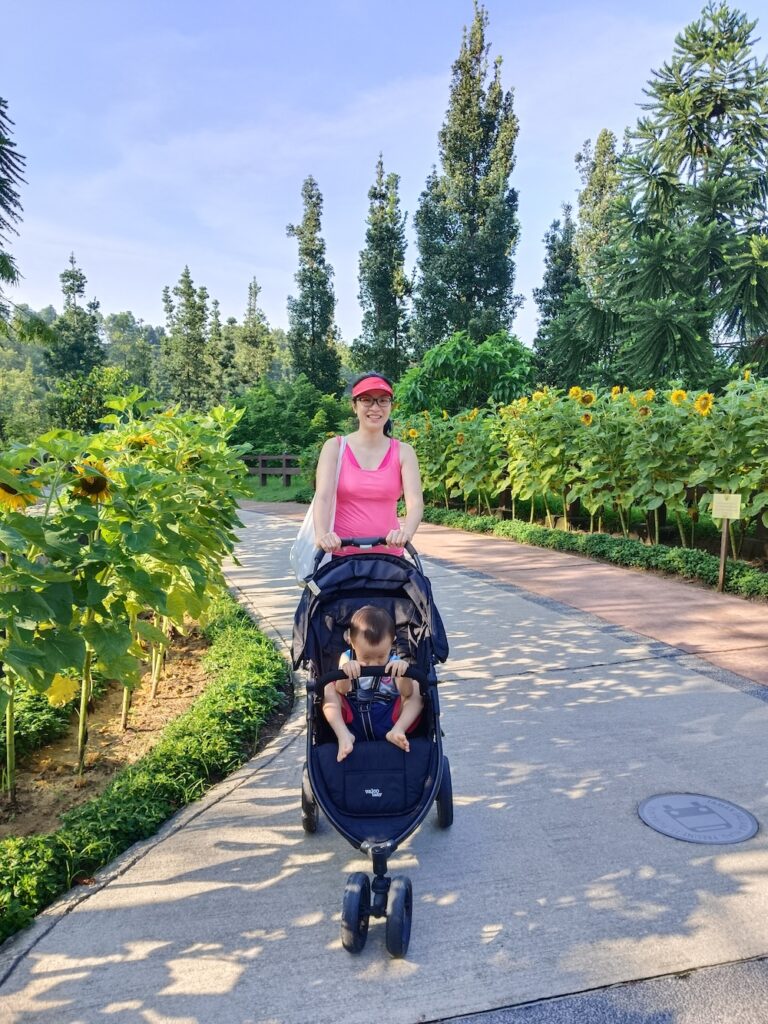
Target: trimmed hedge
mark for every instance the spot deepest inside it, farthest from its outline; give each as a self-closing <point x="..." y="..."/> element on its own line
<point x="689" y="563"/>
<point x="201" y="747"/>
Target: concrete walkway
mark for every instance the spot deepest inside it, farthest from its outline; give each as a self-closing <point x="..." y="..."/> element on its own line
<point x="559" y="718"/>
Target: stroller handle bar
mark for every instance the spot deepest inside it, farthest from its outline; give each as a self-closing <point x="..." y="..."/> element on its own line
<point x="368" y="670"/>
<point x="368" y="542"/>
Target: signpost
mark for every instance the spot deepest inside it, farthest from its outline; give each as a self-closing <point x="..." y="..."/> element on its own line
<point x="725" y="507"/>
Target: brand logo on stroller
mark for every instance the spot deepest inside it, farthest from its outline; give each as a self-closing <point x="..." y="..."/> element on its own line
<point x="373" y="792"/>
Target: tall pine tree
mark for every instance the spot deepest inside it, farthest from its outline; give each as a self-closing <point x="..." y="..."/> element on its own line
<point x="185" y="344"/>
<point x="384" y="341"/>
<point x="466" y="223"/>
<point x="11" y="168"/>
<point x="312" y="333"/>
<point x="75" y="346"/>
<point x="561" y="279"/>
<point x="255" y="346"/>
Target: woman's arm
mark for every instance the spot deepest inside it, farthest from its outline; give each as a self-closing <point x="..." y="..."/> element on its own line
<point x="412" y="494"/>
<point x="325" y="484"/>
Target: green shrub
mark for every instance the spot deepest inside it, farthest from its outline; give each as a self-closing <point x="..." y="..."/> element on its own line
<point x="216" y="735"/>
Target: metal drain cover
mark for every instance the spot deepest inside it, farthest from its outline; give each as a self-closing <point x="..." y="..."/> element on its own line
<point x="697" y="819"/>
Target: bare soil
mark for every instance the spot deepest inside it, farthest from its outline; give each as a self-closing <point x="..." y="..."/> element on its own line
<point x="47" y="783"/>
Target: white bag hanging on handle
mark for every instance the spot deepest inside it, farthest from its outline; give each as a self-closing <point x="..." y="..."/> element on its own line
<point x="304" y="550"/>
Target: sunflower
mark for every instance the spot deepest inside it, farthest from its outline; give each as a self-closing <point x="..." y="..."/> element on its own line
<point x="139" y="441"/>
<point x="650" y="394"/>
<point x="413" y="432"/>
<point x="747" y="374"/>
<point x="615" y="391"/>
<point x="586" y="419"/>
<point x="94" y="481"/>
<point x="575" y="392"/>
<point x="644" y="411"/>
<point x="632" y="401"/>
<point x="678" y="396"/>
<point x="703" y="404"/>
<point x="62" y="690"/>
<point x="459" y="438"/>
<point x="587" y="397"/>
<point x="15" y="500"/>
<point x="537" y="396"/>
<point x="473" y="415"/>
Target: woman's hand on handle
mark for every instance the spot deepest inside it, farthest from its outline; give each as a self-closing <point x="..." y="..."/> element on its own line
<point x="398" y="538"/>
<point x="329" y="541"/>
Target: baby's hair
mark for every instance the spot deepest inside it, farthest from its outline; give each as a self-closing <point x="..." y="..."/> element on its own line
<point x="372" y="624"/>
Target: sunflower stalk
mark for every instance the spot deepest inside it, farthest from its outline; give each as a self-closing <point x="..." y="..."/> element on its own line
<point x="86" y="688"/>
<point x="10" y="740"/>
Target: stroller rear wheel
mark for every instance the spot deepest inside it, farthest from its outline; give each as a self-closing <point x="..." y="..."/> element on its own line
<point x="355" y="912"/>
<point x="399" y="912"/>
<point x="308" y="804"/>
<point x="444" y="798"/>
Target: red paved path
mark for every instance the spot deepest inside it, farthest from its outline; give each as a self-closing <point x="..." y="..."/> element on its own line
<point x="730" y="632"/>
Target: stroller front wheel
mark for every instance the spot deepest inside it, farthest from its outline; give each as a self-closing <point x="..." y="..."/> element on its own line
<point x="399" y="913"/>
<point x="355" y="912"/>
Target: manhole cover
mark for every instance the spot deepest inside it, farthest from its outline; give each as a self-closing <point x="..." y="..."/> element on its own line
<point x="697" y="819"/>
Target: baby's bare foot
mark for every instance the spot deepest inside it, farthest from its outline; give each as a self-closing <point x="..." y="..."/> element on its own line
<point x="398" y="737"/>
<point x="345" y="746"/>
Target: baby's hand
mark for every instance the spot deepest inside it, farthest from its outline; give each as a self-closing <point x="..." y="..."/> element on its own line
<point x="351" y="669"/>
<point x="396" y="667"/>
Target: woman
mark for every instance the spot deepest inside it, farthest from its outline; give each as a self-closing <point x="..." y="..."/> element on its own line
<point x="376" y="470"/>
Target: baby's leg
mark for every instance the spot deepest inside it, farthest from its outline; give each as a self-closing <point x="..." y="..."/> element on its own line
<point x="411" y="703"/>
<point x="335" y="718"/>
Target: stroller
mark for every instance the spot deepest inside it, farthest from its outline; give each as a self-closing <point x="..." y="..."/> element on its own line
<point x="378" y="795"/>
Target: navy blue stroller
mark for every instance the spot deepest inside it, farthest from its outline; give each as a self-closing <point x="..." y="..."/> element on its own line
<point x="378" y="795"/>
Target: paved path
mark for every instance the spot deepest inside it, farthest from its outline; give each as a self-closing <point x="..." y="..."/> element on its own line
<point x="547" y="890"/>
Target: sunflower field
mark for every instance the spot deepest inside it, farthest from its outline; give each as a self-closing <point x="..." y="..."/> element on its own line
<point x="106" y="542"/>
<point x="607" y="451"/>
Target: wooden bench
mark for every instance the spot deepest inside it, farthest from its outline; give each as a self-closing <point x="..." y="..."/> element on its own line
<point x="285" y="466"/>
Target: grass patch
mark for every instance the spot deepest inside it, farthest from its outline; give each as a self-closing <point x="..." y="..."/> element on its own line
<point x="274" y="490"/>
<point x="205" y="744"/>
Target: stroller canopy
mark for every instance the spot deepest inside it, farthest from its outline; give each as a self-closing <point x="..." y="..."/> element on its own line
<point x="343" y="585"/>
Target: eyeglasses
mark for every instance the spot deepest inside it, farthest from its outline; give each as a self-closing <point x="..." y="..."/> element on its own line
<point x="384" y="401"/>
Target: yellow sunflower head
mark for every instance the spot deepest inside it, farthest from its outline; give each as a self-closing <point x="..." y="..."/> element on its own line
<point x="538" y="396"/>
<point x="459" y="438"/>
<point x="747" y="374"/>
<point x="678" y="396"/>
<point x="412" y="433"/>
<point x="93" y="484"/>
<point x="575" y="392"/>
<point x="703" y="404"/>
<point x="615" y="391"/>
<point x="16" y="499"/>
<point x="586" y="419"/>
<point x="644" y="411"/>
<point x="650" y="394"/>
<point x="632" y="401"/>
<point x="587" y="397"/>
<point x="138" y="441"/>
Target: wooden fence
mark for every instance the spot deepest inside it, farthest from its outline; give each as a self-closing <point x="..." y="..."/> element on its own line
<point x="266" y="465"/>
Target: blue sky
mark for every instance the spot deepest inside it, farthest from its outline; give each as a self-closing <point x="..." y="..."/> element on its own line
<point x="159" y="134"/>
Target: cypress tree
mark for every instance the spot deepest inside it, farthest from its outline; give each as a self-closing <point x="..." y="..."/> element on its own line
<point x="466" y="223"/>
<point x="384" y="285"/>
<point x="561" y="278"/>
<point x="255" y="346"/>
<point x="75" y="347"/>
<point x="312" y="333"/>
<point x="184" y="346"/>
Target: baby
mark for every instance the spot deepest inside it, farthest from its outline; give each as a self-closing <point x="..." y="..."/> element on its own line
<point x="378" y="708"/>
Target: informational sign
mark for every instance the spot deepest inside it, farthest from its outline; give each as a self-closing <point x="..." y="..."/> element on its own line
<point x="726" y="506"/>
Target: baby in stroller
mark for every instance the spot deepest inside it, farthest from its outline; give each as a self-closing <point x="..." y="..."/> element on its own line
<point x="371" y="707"/>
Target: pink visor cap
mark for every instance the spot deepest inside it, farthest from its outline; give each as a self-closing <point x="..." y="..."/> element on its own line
<point x="371" y="384"/>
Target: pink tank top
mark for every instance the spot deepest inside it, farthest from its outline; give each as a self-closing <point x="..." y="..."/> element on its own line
<point x="366" y="499"/>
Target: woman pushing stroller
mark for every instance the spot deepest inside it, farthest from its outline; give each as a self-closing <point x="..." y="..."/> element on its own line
<point x="376" y="471"/>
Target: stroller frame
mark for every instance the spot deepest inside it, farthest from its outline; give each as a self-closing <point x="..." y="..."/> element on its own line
<point x="425" y="768"/>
